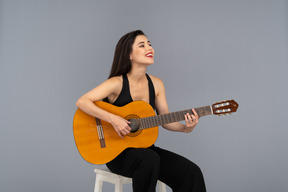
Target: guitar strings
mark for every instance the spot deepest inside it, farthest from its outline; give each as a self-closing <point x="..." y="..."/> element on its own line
<point x="108" y="130"/>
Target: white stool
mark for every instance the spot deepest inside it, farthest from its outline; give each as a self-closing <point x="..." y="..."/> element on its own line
<point x="106" y="175"/>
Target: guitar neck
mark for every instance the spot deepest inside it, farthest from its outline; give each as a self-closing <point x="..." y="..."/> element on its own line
<point x="159" y="120"/>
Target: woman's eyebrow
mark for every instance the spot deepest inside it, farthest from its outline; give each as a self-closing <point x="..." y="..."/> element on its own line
<point x="143" y="42"/>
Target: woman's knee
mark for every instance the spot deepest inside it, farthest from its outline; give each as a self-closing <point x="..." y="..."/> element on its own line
<point x="150" y="158"/>
<point x="194" y="170"/>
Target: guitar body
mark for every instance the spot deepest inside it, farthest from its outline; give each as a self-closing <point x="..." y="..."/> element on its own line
<point x="98" y="142"/>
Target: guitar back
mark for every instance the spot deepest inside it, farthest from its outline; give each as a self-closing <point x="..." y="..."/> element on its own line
<point x="98" y="142"/>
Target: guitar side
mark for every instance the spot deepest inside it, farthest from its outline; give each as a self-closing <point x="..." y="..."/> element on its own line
<point x="87" y="137"/>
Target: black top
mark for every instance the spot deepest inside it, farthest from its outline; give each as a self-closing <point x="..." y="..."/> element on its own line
<point x="125" y="96"/>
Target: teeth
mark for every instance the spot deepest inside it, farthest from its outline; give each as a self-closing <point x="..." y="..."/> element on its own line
<point x="149" y="55"/>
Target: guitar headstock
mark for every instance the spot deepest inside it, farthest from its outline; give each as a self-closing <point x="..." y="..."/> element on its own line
<point x="224" y="107"/>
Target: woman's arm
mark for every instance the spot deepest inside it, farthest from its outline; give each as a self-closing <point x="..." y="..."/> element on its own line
<point x="110" y="88"/>
<point x="162" y="108"/>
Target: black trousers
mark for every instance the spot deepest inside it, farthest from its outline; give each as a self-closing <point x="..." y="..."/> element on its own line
<point x="146" y="166"/>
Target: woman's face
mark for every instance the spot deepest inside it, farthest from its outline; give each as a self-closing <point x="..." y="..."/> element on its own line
<point x="142" y="51"/>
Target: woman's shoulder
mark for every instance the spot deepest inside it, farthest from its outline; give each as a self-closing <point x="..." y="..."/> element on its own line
<point x="158" y="84"/>
<point x="156" y="80"/>
<point x="114" y="82"/>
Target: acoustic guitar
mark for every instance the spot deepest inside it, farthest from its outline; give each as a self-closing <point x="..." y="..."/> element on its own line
<point x="98" y="142"/>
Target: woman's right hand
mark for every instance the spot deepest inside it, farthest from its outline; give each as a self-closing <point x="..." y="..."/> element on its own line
<point x="121" y="126"/>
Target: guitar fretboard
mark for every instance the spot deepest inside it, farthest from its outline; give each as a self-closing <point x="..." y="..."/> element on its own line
<point x="158" y="120"/>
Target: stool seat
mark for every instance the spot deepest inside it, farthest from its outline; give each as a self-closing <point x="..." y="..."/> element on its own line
<point x="104" y="174"/>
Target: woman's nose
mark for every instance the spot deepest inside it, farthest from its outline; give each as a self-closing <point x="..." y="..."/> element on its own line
<point x="149" y="48"/>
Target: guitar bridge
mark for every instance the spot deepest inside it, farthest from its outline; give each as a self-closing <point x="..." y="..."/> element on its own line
<point x="100" y="133"/>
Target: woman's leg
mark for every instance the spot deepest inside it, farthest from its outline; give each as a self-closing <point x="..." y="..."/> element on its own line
<point x="179" y="173"/>
<point x="143" y="165"/>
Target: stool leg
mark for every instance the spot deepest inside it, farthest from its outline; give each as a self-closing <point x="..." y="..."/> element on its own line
<point x="161" y="186"/>
<point x="119" y="186"/>
<point x="98" y="183"/>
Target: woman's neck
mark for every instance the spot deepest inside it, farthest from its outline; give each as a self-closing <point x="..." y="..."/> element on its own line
<point x="137" y="74"/>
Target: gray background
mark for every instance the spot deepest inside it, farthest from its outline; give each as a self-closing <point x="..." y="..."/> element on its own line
<point x="52" y="52"/>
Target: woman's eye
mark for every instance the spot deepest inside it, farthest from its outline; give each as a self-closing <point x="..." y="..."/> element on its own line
<point x="141" y="46"/>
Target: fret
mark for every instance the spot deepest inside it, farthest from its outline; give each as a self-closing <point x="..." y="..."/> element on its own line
<point x="174" y="117"/>
<point x="152" y="119"/>
<point x="151" y="122"/>
<point x="170" y="117"/>
<point x="178" y="115"/>
<point x="156" y="120"/>
<point x="163" y="120"/>
<point x="166" y="118"/>
<point x="146" y="123"/>
<point x="143" y="123"/>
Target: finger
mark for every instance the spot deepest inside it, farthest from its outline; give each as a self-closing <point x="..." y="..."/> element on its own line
<point x="126" y="130"/>
<point x="189" y="117"/>
<point x="119" y="133"/>
<point x="129" y="128"/>
<point x="195" y="119"/>
<point x="123" y="131"/>
<point x="195" y="113"/>
<point x="186" y="119"/>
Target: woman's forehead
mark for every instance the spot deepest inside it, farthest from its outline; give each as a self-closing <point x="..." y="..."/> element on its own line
<point x="141" y="38"/>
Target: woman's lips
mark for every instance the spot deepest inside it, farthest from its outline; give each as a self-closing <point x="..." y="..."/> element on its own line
<point x="150" y="54"/>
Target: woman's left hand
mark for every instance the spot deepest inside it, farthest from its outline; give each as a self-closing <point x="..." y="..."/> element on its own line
<point x="191" y="121"/>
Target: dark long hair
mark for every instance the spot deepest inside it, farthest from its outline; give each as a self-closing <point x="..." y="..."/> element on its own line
<point x="121" y="63"/>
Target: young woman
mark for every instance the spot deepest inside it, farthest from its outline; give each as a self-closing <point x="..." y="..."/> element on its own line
<point x="129" y="82"/>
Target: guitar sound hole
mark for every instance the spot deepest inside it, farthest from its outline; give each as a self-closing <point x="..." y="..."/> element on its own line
<point x="134" y="125"/>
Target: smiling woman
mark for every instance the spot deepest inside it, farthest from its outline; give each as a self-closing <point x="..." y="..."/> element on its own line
<point x="129" y="82"/>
